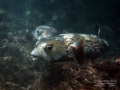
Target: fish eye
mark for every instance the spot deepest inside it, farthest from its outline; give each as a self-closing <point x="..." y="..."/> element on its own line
<point x="38" y="31"/>
<point x="49" y="47"/>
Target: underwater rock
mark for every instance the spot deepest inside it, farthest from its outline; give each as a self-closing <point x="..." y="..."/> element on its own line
<point x="66" y="47"/>
<point x="118" y="60"/>
<point x="68" y="77"/>
<point x="15" y="62"/>
<point x="112" y="69"/>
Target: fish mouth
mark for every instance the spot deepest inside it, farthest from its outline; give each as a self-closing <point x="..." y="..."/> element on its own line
<point x="35" y="57"/>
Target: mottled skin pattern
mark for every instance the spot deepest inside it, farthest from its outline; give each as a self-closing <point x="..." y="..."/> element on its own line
<point x="58" y="48"/>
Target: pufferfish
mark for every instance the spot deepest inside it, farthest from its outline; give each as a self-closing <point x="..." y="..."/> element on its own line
<point x="70" y="46"/>
<point x="44" y="32"/>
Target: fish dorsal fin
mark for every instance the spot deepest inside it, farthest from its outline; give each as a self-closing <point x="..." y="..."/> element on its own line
<point x="97" y="29"/>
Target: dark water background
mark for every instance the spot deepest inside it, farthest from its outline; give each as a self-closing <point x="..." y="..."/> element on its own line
<point x="75" y="14"/>
<point x="66" y="14"/>
<point x="72" y="15"/>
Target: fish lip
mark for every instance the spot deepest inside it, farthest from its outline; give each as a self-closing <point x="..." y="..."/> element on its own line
<point x="35" y="57"/>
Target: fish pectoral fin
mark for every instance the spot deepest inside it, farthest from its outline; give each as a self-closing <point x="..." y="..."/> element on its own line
<point x="79" y="57"/>
<point x="76" y="49"/>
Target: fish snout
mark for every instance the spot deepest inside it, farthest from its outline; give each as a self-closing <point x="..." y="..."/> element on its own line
<point x="35" y="54"/>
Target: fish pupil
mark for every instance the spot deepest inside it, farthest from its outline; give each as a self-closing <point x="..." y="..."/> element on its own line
<point x="49" y="48"/>
<point x="38" y="31"/>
